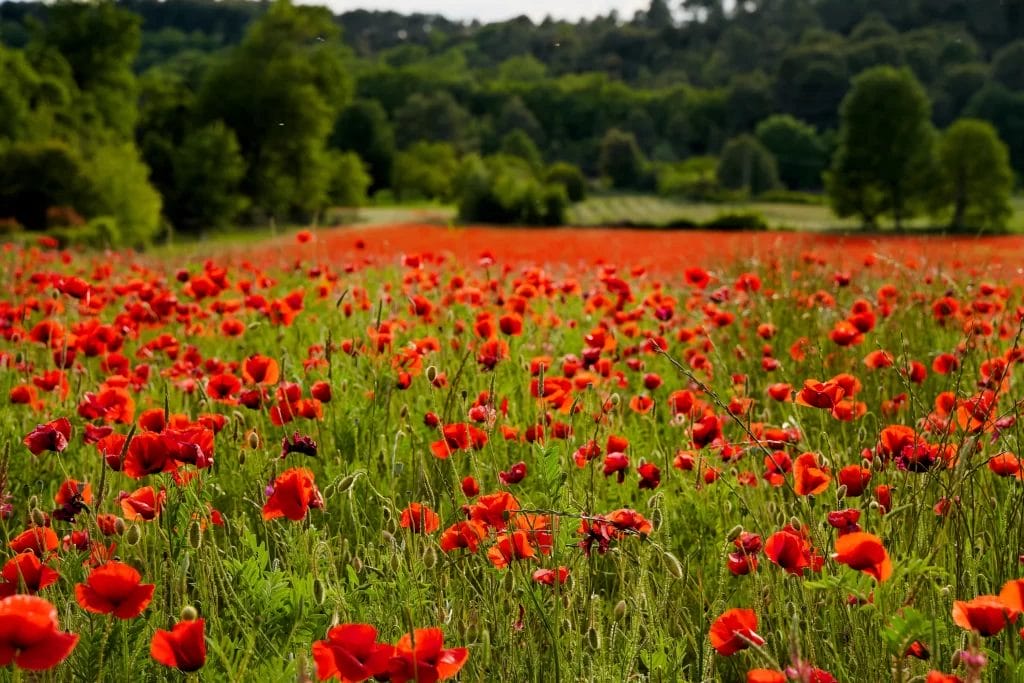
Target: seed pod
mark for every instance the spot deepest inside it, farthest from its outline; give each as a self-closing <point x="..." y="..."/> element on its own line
<point x="195" y="536"/>
<point x="189" y="613"/>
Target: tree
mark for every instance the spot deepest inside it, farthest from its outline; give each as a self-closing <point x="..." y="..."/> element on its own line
<point x="975" y="175"/>
<point x="568" y="176"/>
<point x="280" y="91"/>
<point x="208" y="170"/>
<point x="621" y="159"/>
<point x="425" y="171"/>
<point x="37" y="177"/>
<point x="746" y="165"/>
<point x="1004" y="110"/>
<point x="1008" y="65"/>
<point x="517" y="143"/>
<point x="884" y="158"/>
<point x="363" y="128"/>
<point x="799" y="153"/>
<point x="349" y="179"/>
<point x="435" y="118"/>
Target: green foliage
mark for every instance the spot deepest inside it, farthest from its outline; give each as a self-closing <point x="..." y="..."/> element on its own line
<point x="123" y="192"/>
<point x="436" y="117"/>
<point x="974" y="176"/>
<point x="568" y="176"/>
<point x="621" y="160"/>
<point x="694" y="178"/>
<point x="281" y="90"/>
<point x="37" y="176"/>
<point x="208" y="170"/>
<point x="1004" y="109"/>
<point x="799" y="153"/>
<point x="1008" y="65"/>
<point x="424" y="171"/>
<point x="506" y="189"/>
<point x="363" y="128"/>
<point x="517" y="143"/>
<point x="350" y="179"/>
<point x="737" y="220"/>
<point x="884" y="162"/>
<point x="747" y="165"/>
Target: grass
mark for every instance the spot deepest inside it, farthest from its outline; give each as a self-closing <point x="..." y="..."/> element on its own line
<point x="397" y="345"/>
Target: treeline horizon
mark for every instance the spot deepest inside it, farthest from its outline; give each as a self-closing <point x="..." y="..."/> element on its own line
<point x="723" y="105"/>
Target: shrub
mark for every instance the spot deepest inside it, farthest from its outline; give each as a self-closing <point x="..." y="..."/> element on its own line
<point x="504" y="189"/>
<point x="568" y="176"/>
<point x="693" y="178"/>
<point x="349" y="179"/>
<point x="737" y="220"/>
<point x="747" y="165"/>
<point x="424" y="171"/>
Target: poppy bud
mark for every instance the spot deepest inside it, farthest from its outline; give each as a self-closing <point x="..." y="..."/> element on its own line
<point x="347" y="482"/>
<point x="319" y="592"/>
<point x="241" y="457"/>
<point x="395" y="563"/>
<point x="734" y="533"/>
<point x="431" y="373"/>
<point x="430" y="558"/>
<point x="508" y="583"/>
<point x="841" y="492"/>
<point x="795" y="523"/>
<point x="357" y="564"/>
<point x="620" y="609"/>
<point x="593" y="638"/>
<point x="614" y="400"/>
<point x="673" y="565"/>
<point x="252" y="438"/>
<point x="189" y="613"/>
<point x="657" y="517"/>
<point x="119" y="526"/>
<point x="195" y="536"/>
<point x="654" y="501"/>
<point x="38" y="517"/>
<point x="133" y="535"/>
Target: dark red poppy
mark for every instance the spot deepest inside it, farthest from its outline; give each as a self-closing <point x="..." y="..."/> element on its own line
<point x="182" y="648"/>
<point x="52" y="436"/>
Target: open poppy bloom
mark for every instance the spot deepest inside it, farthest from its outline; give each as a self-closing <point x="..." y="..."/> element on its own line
<point x="420" y="519"/>
<point x="182" y="648"/>
<point x="39" y="540"/>
<point x="351" y="653"/>
<point x="986" y="614"/>
<point x="733" y="631"/>
<point x="766" y="676"/>
<point x="143" y="504"/>
<point x="29" y="635"/>
<point x="421" y="657"/>
<point x="809" y="478"/>
<point x="257" y="369"/>
<point x="52" y="436"/>
<point x="791" y="550"/>
<point x="294" y="493"/>
<point x="26" y="573"/>
<point x="864" y="552"/>
<point x="114" y="588"/>
<point x="466" y="534"/>
<point x="509" y="547"/>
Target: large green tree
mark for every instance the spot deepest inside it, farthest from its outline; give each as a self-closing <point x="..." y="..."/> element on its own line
<point x="363" y="128"/>
<point x="884" y="160"/>
<point x="280" y="91"/>
<point x="975" y="179"/>
<point x="797" y="149"/>
<point x="746" y="165"/>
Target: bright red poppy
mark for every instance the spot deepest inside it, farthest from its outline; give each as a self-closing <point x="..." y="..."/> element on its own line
<point x="735" y="630"/>
<point x="294" y="493"/>
<point x="182" y="648"/>
<point x="26" y="573"/>
<point x="420" y="519"/>
<point x="421" y="657"/>
<point x="864" y="552"/>
<point x="29" y="635"/>
<point x="986" y="614"/>
<point x="351" y="654"/>
<point x="115" y="588"/>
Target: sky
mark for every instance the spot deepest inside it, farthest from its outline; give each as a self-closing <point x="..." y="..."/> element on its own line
<point x="489" y="10"/>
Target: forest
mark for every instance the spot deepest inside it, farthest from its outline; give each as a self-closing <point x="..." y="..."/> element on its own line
<point x="137" y="118"/>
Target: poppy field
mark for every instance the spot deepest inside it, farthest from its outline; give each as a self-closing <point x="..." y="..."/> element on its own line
<point x="413" y="453"/>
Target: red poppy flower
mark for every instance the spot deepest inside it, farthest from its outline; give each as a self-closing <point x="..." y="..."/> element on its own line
<point x="26" y="573"/>
<point x="1006" y="465"/>
<point x="39" y="540"/>
<point x="52" y="436"/>
<point x="294" y="492"/>
<point x="351" y="653"/>
<point x="855" y="478"/>
<point x="1012" y="595"/>
<point x="467" y="535"/>
<point x="143" y="504"/>
<point x="551" y="577"/>
<point x="510" y="546"/>
<point x="650" y="475"/>
<point x="617" y="464"/>
<point x="420" y="657"/>
<point x="824" y="395"/>
<point x="420" y="519"/>
<point x="183" y="647"/>
<point x="494" y="509"/>
<point x="29" y="635"/>
<point x="939" y="677"/>
<point x="735" y="630"/>
<point x="114" y="588"/>
<point x="147" y="454"/>
<point x="470" y="487"/>
<point x="986" y="614"/>
<point x="791" y="550"/>
<point x="257" y="369"/>
<point x="808" y="477"/>
<point x="765" y="676"/>
<point x="864" y="552"/>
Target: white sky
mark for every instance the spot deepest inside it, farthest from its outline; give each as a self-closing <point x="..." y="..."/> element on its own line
<point x="489" y="10"/>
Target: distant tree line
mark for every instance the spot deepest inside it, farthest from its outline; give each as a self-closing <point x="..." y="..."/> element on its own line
<point x="121" y="121"/>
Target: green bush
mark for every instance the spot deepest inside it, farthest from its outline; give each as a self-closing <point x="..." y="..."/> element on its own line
<point x="350" y="179"/>
<point x="746" y="165"/>
<point x="693" y="178"/>
<point x="424" y="171"/>
<point x="737" y="220"/>
<point x="504" y="189"/>
<point x="99" y="233"/>
<point x="568" y="176"/>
